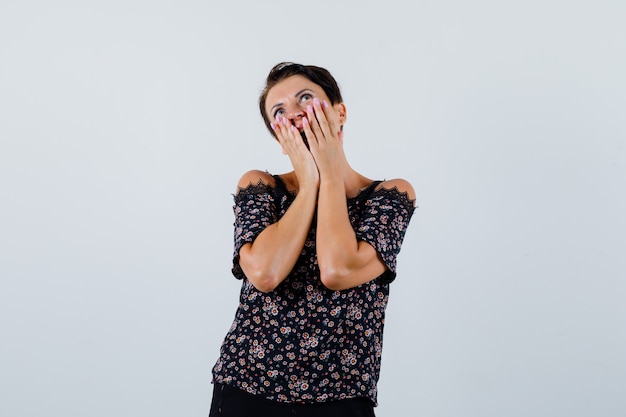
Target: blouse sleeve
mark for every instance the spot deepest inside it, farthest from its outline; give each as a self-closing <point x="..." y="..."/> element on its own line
<point x="383" y="225"/>
<point x="255" y="209"/>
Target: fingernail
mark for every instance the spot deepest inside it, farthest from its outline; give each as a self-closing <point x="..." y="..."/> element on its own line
<point x="305" y="120"/>
<point x="293" y="128"/>
<point x="316" y="100"/>
<point x="309" y="108"/>
<point x="273" y="126"/>
<point x="325" y="104"/>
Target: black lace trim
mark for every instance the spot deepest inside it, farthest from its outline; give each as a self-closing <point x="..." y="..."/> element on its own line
<point x="258" y="188"/>
<point x="404" y="195"/>
<point x="262" y="187"/>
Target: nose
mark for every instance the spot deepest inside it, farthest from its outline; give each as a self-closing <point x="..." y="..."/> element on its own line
<point x="293" y="109"/>
<point x="295" y="113"/>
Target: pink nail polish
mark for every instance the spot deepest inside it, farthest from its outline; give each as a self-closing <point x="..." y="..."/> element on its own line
<point x="325" y="104"/>
<point x="316" y="100"/>
<point x="273" y="126"/>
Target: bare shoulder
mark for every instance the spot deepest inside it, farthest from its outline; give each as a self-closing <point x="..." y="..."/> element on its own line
<point x="255" y="177"/>
<point x="400" y="184"/>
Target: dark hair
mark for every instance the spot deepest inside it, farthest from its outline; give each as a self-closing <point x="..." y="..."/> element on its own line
<point x="318" y="75"/>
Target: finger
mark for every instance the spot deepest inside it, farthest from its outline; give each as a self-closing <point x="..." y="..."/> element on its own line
<point x="279" y="130"/>
<point x="323" y="118"/>
<point x="314" y="124"/>
<point x="331" y="116"/>
<point x="279" y="136"/>
<point x="308" y="132"/>
<point x="282" y="134"/>
<point x="286" y="128"/>
<point x="291" y="140"/>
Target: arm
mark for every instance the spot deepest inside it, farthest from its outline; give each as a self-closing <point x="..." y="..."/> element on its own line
<point x="267" y="260"/>
<point x="345" y="261"/>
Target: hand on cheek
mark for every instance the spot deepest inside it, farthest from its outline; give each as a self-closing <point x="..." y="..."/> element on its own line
<point x="284" y="131"/>
<point x="323" y="122"/>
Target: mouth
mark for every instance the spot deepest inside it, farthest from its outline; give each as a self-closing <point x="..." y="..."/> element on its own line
<point x="306" y="142"/>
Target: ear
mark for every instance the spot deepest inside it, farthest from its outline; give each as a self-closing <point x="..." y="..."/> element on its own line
<point x="341" y="109"/>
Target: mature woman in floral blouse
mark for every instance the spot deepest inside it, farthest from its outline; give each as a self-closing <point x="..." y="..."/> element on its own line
<point x="316" y="250"/>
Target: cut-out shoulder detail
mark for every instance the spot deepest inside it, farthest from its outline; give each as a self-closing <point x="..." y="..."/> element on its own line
<point x="401" y="186"/>
<point x="257" y="181"/>
<point x="254" y="178"/>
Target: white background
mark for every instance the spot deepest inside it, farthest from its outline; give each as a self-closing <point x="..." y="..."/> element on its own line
<point x="125" y="125"/>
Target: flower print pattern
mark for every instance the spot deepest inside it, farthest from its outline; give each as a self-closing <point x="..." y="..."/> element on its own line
<point x="303" y="342"/>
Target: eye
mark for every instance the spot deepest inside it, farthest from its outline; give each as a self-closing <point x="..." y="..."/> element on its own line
<point x="305" y="97"/>
<point x="278" y="112"/>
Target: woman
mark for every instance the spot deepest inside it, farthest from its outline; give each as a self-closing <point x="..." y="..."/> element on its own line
<point x="316" y="250"/>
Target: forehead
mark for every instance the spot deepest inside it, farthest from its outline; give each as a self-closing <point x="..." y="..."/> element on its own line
<point x="290" y="86"/>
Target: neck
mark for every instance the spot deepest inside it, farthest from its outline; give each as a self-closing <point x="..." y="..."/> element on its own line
<point x="352" y="180"/>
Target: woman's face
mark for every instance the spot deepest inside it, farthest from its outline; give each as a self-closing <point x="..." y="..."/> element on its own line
<point x="290" y="98"/>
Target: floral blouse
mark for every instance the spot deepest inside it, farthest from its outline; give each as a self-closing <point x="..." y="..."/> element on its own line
<point x="303" y="342"/>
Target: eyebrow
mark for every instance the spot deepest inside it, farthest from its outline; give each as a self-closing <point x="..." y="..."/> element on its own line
<point x="295" y="95"/>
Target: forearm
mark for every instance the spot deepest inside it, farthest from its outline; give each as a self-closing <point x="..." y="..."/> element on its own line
<point x="344" y="261"/>
<point x="336" y="243"/>
<point x="268" y="260"/>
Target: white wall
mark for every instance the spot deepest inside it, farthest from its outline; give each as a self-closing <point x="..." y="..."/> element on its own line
<point x="125" y="125"/>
